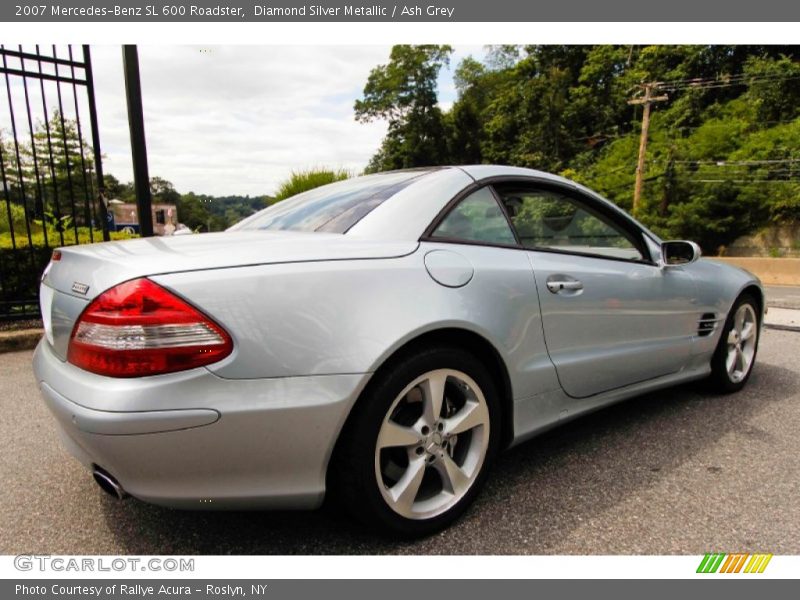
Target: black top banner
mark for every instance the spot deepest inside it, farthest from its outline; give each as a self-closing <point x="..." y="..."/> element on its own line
<point x="391" y="10"/>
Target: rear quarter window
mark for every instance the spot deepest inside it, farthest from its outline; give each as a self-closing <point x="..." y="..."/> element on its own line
<point x="333" y="208"/>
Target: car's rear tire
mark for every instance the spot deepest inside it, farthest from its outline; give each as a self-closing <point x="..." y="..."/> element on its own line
<point x="418" y="446"/>
<point x="736" y="351"/>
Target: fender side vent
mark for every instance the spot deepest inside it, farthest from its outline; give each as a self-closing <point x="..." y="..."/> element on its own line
<point x="707" y="324"/>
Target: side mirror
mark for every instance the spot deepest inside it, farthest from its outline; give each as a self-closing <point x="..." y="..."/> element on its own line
<point x="679" y="252"/>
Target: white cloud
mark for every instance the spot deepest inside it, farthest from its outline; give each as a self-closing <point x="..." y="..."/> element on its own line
<point x="239" y="119"/>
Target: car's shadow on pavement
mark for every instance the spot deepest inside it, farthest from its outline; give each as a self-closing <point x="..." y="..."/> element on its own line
<point x="536" y="495"/>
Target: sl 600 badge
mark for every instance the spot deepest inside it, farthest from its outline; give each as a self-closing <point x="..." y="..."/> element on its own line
<point x="80" y="288"/>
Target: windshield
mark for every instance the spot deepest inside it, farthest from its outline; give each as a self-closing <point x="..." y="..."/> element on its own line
<point x="333" y="208"/>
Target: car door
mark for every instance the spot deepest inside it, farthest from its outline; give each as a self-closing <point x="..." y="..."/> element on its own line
<point x="501" y="300"/>
<point x="611" y="317"/>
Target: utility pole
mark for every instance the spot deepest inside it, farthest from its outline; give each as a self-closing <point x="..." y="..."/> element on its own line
<point x="646" y="101"/>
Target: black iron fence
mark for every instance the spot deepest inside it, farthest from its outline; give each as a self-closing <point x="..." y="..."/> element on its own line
<point x="50" y="170"/>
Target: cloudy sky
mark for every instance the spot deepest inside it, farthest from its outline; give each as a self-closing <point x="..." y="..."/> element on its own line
<point x="238" y="119"/>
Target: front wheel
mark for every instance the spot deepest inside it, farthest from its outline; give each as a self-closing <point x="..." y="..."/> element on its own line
<point x="419" y="445"/>
<point x="736" y="352"/>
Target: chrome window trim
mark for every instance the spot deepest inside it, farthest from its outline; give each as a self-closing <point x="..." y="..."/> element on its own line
<point x="617" y="216"/>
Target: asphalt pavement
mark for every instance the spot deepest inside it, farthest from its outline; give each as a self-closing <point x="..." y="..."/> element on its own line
<point x="675" y="472"/>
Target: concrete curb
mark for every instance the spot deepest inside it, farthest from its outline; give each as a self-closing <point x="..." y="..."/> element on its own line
<point x="786" y="305"/>
<point x="25" y="339"/>
<point x="781" y="327"/>
<point x="786" y="319"/>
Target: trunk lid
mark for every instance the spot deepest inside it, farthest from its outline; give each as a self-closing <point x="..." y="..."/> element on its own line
<point x="83" y="272"/>
<point x="86" y="271"/>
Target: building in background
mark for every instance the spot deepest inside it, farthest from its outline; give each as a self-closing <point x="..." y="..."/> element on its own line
<point x="124" y="218"/>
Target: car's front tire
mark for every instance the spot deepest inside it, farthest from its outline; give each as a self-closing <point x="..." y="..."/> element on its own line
<point x="735" y="355"/>
<point x="418" y="446"/>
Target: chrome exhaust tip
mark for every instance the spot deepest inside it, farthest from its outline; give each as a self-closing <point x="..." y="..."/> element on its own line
<point x="109" y="484"/>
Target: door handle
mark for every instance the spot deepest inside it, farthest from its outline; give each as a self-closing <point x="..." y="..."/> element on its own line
<point x="558" y="285"/>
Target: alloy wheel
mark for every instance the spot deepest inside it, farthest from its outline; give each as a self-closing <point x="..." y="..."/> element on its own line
<point x="742" y="339"/>
<point x="432" y="444"/>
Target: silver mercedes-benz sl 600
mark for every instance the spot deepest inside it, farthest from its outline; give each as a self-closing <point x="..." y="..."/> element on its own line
<point x="379" y="339"/>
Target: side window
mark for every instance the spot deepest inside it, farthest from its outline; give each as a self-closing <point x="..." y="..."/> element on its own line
<point x="477" y="218"/>
<point x="550" y="220"/>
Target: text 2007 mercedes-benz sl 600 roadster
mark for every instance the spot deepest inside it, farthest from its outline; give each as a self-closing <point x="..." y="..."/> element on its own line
<point x="379" y="339"/>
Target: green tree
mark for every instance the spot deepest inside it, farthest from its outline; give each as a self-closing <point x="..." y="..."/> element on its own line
<point x="403" y="92"/>
<point x="115" y="190"/>
<point x="51" y="176"/>
<point x="466" y="121"/>
<point x="526" y="120"/>
<point x="193" y="212"/>
<point x="17" y="220"/>
<point x="65" y="164"/>
<point x="775" y="91"/>
<point x="722" y="157"/>
<point x="163" y="192"/>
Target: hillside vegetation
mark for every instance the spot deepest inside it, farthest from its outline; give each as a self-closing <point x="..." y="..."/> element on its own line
<point x="723" y="157"/>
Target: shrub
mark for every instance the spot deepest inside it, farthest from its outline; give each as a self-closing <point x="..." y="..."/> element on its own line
<point x="17" y="218"/>
<point x="22" y="270"/>
<point x="302" y="181"/>
<point x="54" y="238"/>
<point x="22" y="266"/>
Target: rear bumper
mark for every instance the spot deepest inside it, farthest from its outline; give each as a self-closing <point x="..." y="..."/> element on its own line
<point x="195" y="440"/>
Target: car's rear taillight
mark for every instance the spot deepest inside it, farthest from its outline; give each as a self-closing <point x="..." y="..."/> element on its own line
<point x="139" y="328"/>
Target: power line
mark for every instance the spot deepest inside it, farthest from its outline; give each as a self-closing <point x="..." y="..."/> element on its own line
<point x="739" y="176"/>
<point x="744" y="181"/>
<point x="779" y="176"/>
<point x="628" y="183"/>
<point x="750" y="127"/>
<point x="718" y="78"/>
<point x="722" y="162"/>
<point x="728" y="165"/>
<point x="720" y="82"/>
